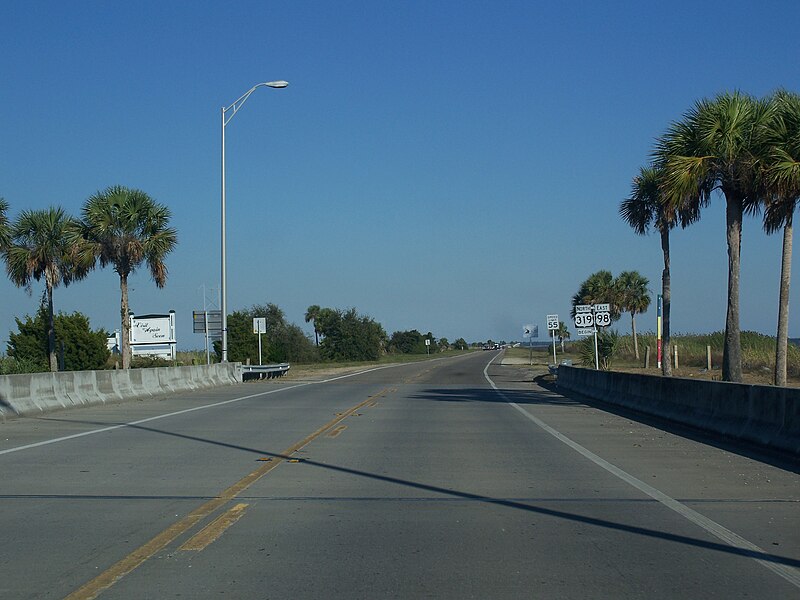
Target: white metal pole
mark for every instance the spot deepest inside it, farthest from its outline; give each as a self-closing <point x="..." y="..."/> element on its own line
<point x="596" y="355"/>
<point x="259" y="346"/>
<point x="555" y="360"/>
<point x="224" y="286"/>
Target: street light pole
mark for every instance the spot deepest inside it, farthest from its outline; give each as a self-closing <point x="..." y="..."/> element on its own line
<point x="233" y="108"/>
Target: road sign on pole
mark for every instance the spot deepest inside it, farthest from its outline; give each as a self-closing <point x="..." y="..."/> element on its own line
<point x="583" y="319"/>
<point x="552" y="325"/>
<point x="259" y="327"/>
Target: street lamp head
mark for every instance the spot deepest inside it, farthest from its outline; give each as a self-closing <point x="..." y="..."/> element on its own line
<point x="276" y="84"/>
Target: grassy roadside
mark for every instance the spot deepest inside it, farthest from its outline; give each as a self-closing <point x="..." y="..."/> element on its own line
<point x="323" y="369"/>
<point x="758" y="356"/>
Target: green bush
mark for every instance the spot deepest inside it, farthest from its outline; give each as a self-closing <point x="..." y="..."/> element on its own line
<point x="348" y="336"/>
<point x="12" y="366"/>
<point x="82" y="347"/>
<point x="607" y="342"/>
<point x="283" y="342"/>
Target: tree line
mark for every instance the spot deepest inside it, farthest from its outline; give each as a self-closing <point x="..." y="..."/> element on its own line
<point x="745" y="150"/>
<point x="119" y="227"/>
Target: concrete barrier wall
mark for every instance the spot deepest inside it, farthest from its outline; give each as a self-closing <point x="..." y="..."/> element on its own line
<point x="765" y="415"/>
<point x="35" y="393"/>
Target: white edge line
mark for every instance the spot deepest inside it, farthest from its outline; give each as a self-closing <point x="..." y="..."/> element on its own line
<point x="788" y="573"/>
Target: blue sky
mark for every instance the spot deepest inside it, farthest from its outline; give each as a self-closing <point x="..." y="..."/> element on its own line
<point x="453" y="167"/>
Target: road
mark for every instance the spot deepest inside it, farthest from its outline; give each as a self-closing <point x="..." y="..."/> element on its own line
<point x="451" y="478"/>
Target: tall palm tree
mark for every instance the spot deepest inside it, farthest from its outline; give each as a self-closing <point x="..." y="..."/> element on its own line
<point x="782" y="185"/>
<point x="716" y="147"/>
<point x="634" y="298"/>
<point x="312" y="313"/>
<point x="43" y="246"/>
<point x="125" y="228"/>
<point x="646" y="207"/>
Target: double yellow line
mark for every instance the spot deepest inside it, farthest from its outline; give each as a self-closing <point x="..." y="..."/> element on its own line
<point x="109" y="577"/>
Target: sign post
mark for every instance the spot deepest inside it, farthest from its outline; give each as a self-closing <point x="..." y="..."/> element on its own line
<point x="209" y="323"/>
<point x="592" y="316"/>
<point x="658" y="327"/>
<point x="527" y="333"/>
<point x="552" y="325"/>
<point x="259" y="327"/>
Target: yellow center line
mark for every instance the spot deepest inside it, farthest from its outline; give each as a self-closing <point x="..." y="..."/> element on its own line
<point x="117" y="571"/>
<point x="213" y="530"/>
<point x="334" y="433"/>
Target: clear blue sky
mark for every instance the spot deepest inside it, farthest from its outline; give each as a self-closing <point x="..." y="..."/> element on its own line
<point x="453" y="167"/>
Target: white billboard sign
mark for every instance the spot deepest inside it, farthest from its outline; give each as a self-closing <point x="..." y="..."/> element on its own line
<point x="153" y="335"/>
<point x="153" y="329"/>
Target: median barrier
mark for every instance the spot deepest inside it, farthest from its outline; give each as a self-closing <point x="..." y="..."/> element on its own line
<point x="35" y="393"/>
<point x="760" y="414"/>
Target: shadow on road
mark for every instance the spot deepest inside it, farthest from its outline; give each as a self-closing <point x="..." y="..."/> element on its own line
<point x="528" y="506"/>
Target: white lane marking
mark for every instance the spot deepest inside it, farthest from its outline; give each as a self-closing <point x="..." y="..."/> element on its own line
<point x="182" y="412"/>
<point x="790" y="574"/>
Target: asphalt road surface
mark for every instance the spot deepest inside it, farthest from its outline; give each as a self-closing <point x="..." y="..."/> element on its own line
<point x="452" y="478"/>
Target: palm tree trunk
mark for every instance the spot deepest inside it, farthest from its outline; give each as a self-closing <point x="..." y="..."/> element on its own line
<point x="666" y="361"/>
<point x="51" y="330"/>
<point x="633" y="331"/>
<point x="732" y="350"/>
<point x="126" y="322"/>
<point x="783" y="305"/>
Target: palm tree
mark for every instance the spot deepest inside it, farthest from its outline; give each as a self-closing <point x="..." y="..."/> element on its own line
<point x="125" y="228"/>
<point x="646" y="207"/>
<point x="563" y="334"/>
<point x="634" y="298"/>
<point x="43" y="246"/>
<point x="312" y="313"/>
<point x="715" y="147"/>
<point x="5" y="227"/>
<point x="782" y="185"/>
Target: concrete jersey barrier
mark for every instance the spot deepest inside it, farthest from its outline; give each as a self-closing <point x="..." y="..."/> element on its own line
<point x="765" y="415"/>
<point x="34" y="393"/>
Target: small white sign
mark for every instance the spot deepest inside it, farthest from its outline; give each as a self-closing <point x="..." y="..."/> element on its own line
<point x="260" y="325"/>
<point x="585" y="331"/>
<point x="552" y="322"/>
<point x="427" y="342"/>
<point x="527" y="331"/>
<point x="602" y="308"/>
<point x="583" y="308"/>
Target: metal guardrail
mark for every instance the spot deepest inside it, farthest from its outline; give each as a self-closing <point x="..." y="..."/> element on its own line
<point x="264" y="371"/>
